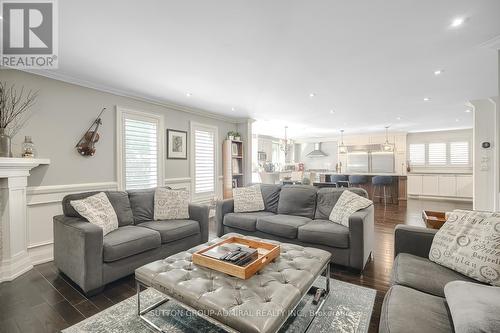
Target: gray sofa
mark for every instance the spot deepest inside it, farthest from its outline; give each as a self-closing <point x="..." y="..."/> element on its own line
<point x="91" y="260"/>
<point x="299" y="214"/>
<point x="416" y="301"/>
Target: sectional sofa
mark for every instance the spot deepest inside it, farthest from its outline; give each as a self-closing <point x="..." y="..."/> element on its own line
<point x="91" y="260"/>
<point x="299" y="214"/>
<point x="416" y="301"/>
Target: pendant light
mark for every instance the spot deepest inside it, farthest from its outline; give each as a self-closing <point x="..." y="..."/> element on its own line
<point x="342" y="147"/>
<point x="285" y="145"/>
<point x="387" y="147"/>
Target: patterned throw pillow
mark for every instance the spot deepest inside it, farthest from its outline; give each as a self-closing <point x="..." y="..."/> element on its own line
<point x="97" y="210"/>
<point x="248" y="199"/>
<point x="348" y="204"/>
<point x="469" y="243"/>
<point x="171" y="204"/>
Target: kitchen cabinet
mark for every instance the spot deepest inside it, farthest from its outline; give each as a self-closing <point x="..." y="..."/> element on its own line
<point x="430" y="185"/>
<point x="414" y="184"/>
<point x="464" y="186"/>
<point x="446" y="186"/>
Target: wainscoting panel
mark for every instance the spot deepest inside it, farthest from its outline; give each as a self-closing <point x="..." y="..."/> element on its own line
<point x="43" y="203"/>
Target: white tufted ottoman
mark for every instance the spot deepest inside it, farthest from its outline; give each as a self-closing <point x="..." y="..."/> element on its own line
<point x="261" y="303"/>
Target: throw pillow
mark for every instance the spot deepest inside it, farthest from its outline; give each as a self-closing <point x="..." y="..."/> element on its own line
<point x="348" y="204"/>
<point x="474" y="307"/>
<point x="469" y="243"/>
<point x="171" y="204"/>
<point x="97" y="210"/>
<point x="248" y="199"/>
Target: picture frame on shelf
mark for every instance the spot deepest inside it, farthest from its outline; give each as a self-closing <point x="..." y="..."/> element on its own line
<point x="177" y="148"/>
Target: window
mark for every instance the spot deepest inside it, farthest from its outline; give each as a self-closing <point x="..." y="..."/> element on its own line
<point x="440" y="154"/>
<point x="459" y="153"/>
<point x="204" y="146"/>
<point x="140" y="161"/>
<point x="437" y="154"/>
<point x="417" y="154"/>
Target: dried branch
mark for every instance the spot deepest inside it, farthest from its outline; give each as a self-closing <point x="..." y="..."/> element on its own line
<point x="15" y="107"/>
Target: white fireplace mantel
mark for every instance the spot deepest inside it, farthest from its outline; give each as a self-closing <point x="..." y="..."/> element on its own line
<point x="14" y="172"/>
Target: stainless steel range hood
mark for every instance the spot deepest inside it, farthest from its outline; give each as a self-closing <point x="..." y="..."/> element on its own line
<point x="317" y="152"/>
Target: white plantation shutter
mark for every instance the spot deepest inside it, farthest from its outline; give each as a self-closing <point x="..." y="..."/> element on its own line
<point x="437" y="154"/>
<point x="141" y="154"/>
<point x="204" y="140"/>
<point x="459" y="153"/>
<point x="417" y="154"/>
<point x="140" y="149"/>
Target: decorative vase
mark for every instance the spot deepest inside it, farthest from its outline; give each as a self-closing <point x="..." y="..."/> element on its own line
<point x="237" y="138"/>
<point x="230" y="137"/>
<point x="28" y="148"/>
<point x="5" y="144"/>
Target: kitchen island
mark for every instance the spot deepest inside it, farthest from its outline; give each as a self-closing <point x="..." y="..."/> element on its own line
<point x="398" y="188"/>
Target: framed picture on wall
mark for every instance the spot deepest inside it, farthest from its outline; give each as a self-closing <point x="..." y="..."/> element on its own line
<point x="176" y="144"/>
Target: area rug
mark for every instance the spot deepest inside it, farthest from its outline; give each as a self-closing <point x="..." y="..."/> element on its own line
<point x="348" y="309"/>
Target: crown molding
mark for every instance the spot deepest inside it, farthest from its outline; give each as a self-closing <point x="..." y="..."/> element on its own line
<point x="129" y="94"/>
<point x="492" y="43"/>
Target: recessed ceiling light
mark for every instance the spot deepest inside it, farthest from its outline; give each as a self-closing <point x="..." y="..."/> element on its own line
<point x="189" y="94"/>
<point x="233" y="108"/>
<point x="457" y="120"/>
<point x="438" y="72"/>
<point x="458" y="21"/>
<point x="426" y="99"/>
<point x="312" y="95"/>
<point x="398" y="118"/>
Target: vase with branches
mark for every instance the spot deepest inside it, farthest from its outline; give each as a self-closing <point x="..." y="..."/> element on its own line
<point x="15" y="111"/>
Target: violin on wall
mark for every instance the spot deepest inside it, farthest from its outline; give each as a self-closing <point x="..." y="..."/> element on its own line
<point x="86" y="145"/>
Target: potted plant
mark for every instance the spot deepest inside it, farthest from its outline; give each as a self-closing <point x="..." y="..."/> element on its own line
<point x="237" y="136"/>
<point x="15" y="110"/>
<point x="232" y="135"/>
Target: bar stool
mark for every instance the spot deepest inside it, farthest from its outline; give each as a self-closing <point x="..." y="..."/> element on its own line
<point x="358" y="180"/>
<point x="339" y="178"/>
<point x="382" y="184"/>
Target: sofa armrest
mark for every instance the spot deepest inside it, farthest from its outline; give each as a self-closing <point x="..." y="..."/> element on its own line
<point x="361" y="233"/>
<point x="200" y="213"/>
<point x="413" y="240"/>
<point x="78" y="251"/>
<point x="223" y="207"/>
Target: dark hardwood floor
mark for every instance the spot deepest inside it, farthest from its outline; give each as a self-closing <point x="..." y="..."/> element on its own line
<point x="42" y="300"/>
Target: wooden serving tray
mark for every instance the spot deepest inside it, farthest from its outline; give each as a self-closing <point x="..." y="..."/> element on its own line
<point x="267" y="252"/>
<point x="434" y="220"/>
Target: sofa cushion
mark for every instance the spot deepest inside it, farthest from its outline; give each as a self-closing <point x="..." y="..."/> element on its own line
<point x="271" y="196"/>
<point x="172" y="230"/>
<point x="97" y="210"/>
<point x="474" y="307"/>
<point x="171" y="204"/>
<point x="248" y="199"/>
<point x="324" y="232"/>
<point x="298" y="200"/>
<point x="281" y="225"/>
<point x="142" y="203"/>
<point x="422" y="274"/>
<point x="244" y="221"/>
<point x="348" y="204"/>
<point x="119" y="200"/>
<point x="128" y="241"/>
<point x="327" y="198"/>
<point x="407" y="310"/>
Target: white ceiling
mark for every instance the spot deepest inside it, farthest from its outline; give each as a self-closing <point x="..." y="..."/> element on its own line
<point x="370" y="61"/>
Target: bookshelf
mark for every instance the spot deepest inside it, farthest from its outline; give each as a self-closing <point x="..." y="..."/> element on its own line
<point x="232" y="164"/>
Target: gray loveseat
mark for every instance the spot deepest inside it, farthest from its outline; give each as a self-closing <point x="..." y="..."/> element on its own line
<point x="416" y="301"/>
<point x="299" y="214"/>
<point x="91" y="260"/>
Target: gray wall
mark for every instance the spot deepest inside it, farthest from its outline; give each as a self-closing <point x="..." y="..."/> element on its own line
<point x="64" y="111"/>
